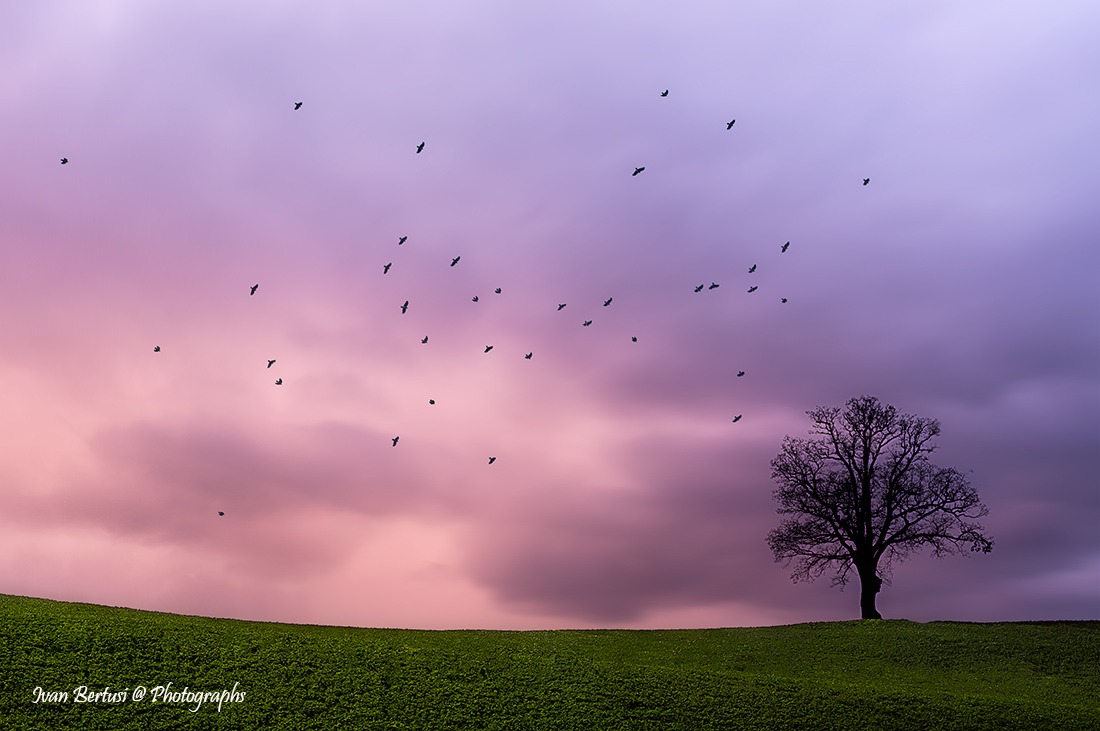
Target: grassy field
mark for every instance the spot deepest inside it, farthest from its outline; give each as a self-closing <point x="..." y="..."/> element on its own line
<point x="847" y="676"/>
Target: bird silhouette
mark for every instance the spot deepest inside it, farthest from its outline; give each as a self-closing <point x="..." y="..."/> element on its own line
<point x="587" y="323"/>
<point x="737" y="418"/>
<point x="404" y="307"/>
<point x="783" y="300"/>
<point x="866" y="181"/>
<point x="419" y="148"/>
<point x="492" y="459"/>
<point x="488" y="348"/>
<point x="714" y="286"/>
<point x="664" y="93"/>
<point x="254" y="288"/>
<point x="425" y="339"/>
<point x="784" y="247"/>
<point x="297" y="105"/>
<point x="270" y="363"/>
<point x="395" y="441"/>
<point x="528" y="356"/>
<point x="605" y="304"/>
<point x="559" y="307"/>
<point x="752" y="289"/>
<point x="431" y="401"/>
<point x="455" y="260"/>
<point x="498" y="290"/>
<point x="752" y="269"/>
<point x="64" y="161"/>
<point x="475" y="298"/>
<point x="386" y="269"/>
<point x="730" y="125"/>
<point x="278" y="381"/>
<point x="633" y="339"/>
<point x="220" y="513"/>
<point x="740" y="373"/>
<point x="401" y="240"/>
<point x="636" y="171"/>
<point x="156" y="348"/>
<point x="700" y="288"/>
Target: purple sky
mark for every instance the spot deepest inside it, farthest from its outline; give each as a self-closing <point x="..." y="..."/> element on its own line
<point x="961" y="284"/>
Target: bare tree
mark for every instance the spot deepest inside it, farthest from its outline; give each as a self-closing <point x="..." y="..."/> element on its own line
<point x="866" y="494"/>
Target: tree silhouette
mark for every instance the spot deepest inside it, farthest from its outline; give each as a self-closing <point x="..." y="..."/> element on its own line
<point x="866" y="494"/>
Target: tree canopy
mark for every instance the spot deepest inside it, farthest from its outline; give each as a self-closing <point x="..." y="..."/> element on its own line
<point x="865" y="496"/>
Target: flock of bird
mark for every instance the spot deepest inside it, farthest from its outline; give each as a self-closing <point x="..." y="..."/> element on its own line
<point x="528" y="356"/>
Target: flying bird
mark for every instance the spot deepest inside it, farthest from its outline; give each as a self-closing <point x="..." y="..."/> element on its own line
<point x="559" y="307"/>
<point x="664" y="93"/>
<point x="528" y="356"/>
<point x="455" y="260"/>
<point x="740" y="373"/>
<point x="700" y="288"/>
<point x="220" y="513"/>
<point x="270" y="363"/>
<point x="498" y="290"/>
<point x="752" y="289"/>
<point x="714" y="286"/>
<point x="492" y="459"/>
<point x="395" y="441"/>
<point x="401" y="240"/>
<point x="730" y="125"/>
<point x="488" y="348"/>
<point x="475" y="298"/>
<point x="64" y="161"/>
<point x="605" y="304"/>
<point x="783" y="300"/>
<point x="783" y="248"/>
<point x="633" y="339"/>
<point x="425" y="339"/>
<point x="254" y="288"/>
<point x="636" y="171"/>
<point x="386" y="269"/>
<point x="866" y="181"/>
<point x="404" y="307"/>
<point x="587" y="323"/>
<point x="278" y="381"/>
<point x="737" y="418"/>
<point x="752" y="269"/>
<point x="431" y="401"/>
<point x="297" y="105"/>
<point x="156" y="348"/>
<point x="419" y="148"/>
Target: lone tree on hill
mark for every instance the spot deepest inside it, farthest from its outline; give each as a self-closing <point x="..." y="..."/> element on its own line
<point x="866" y="493"/>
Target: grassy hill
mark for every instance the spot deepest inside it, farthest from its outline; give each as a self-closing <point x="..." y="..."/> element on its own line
<point x="847" y="676"/>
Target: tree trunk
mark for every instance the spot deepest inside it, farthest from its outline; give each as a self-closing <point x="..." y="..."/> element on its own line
<point x="870" y="583"/>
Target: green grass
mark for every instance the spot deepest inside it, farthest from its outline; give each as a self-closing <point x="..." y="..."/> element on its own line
<point x="847" y="676"/>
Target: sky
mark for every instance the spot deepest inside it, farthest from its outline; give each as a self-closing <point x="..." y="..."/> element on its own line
<point x="959" y="284"/>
